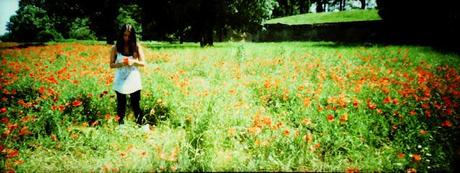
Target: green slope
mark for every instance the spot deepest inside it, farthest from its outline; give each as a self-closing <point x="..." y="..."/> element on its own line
<point x="329" y="17"/>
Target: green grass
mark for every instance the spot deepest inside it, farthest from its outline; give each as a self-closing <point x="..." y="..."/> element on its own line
<point x="328" y="17"/>
<point x="290" y="106"/>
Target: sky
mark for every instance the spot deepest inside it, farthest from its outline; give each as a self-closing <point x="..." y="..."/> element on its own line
<point x="7" y="9"/>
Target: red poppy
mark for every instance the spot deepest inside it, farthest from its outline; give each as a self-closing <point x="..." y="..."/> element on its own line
<point x="12" y="153"/>
<point x="12" y="126"/>
<point x="4" y="120"/>
<point x="24" y="131"/>
<point x="54" y="137"/>
<point x="387" y="100"/>
<point x="3" y="110"/>
<point x="416" y="157"/>
<point x="355" y="103"/>
<point x="446" y="123"/>
<point x="267" y="84"/>
<point x="286" y="132"/>
<point x="371" y="105"/>
<point x="427" y="114"/>
<point x="107" y="117"/>
<point x="401" y="155"/>
<point x="76" y="103"/>
<point x="330" y="118"/>
<point x="344" y="118"/>
<point x="61" y="108"/>
<point x="117" y="118"/>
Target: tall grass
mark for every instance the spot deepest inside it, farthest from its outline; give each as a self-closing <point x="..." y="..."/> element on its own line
<point x="294" y="106"/>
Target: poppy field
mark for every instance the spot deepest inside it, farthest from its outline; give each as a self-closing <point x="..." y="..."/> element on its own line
<point x="237" y="106"/>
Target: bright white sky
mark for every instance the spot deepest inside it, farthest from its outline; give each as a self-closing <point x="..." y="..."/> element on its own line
<point x="7" y="9"/>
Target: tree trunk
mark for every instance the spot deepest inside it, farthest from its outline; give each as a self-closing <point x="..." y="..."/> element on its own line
<point x="110" y="28"/>
<point x="208" y="16"/>
<point x="302" y="6"/>
<point x="341" y="6"/>
<point x="319" y="6"/>
<point x="363" y="4"/>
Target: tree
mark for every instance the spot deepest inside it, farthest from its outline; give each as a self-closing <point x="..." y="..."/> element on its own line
<point x="430" y="21"/>
<point x="304" y="6"/>
<point x="32" y="23"/>
<point x="80" y="30"/>
<point x="363" y="4"/>
<point x="320" y="5"/>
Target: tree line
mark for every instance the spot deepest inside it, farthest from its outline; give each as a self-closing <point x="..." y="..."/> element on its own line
<point x="201" y="21"/>
<point x="183" y="20"/>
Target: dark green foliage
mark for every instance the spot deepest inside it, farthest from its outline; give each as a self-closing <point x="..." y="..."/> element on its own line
<point x="80" y="30"/>
<point x="32" y="23"/>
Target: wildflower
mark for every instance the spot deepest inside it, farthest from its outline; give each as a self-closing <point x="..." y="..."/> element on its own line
<point x="18" y="162"/>
<point x="308" y="138"/>
<point x="423" y="132"/>
<point x="351" y="170"/>
<point x="344" y="118"/>
<point x="306" y="121"/>
<point x="117" y="118"/>
<point x="286" y="132"/>
<point x="107" y="117"/>
<point x="427" y="114"/>
<point x="24" y="131"/>
<point x="387" y="100"/>
<point x="371" y="105"/>
<point x="54" y="137"/>
<point x="4" y="120"/>
<point x="76" y="103"/>
<point x="95" y="123"/>
<point x="411" y="170"/>
<point x="355" y="103"/>
<point x="306" y="102"/>
<point x="267" y="121"/>
<point x="254" y="130"/>
<point x="416" y="157"/>
<point x="401" y="155"/>
<point x="3" y="110"/>
<point x="123" y="154"/>
<point x="143" y="154"/>
<point x="446" y="123"/>
<point x="11" y="153"/>
<point x="267" y="84"/>
<point x="330" y="118"/>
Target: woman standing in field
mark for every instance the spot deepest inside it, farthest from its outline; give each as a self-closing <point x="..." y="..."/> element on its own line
<point x="126" y="56"/>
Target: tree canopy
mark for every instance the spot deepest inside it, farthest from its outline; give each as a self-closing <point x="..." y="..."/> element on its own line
<point x="192" y="20"/>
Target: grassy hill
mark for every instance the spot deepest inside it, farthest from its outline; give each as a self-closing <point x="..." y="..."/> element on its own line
<point x="329" y="17"/>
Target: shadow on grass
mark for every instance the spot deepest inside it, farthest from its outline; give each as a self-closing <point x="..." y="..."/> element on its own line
<point x="438" y="47"/>
<point x="14" y="45"/>
<point x="179" y="46"/>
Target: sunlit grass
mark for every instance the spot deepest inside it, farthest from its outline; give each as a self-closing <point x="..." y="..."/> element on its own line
<point x="328" y="17"/>
<point x="293" y="106"/>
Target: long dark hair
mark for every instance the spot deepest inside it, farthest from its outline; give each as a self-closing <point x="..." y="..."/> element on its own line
<point x="132" y="43"/>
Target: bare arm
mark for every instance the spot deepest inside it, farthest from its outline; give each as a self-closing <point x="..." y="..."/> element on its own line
<point x="113" y="56"/>
<point x="140" y="62"/>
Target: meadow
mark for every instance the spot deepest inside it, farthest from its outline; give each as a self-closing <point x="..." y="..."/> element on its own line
<point x="237" y="106"/>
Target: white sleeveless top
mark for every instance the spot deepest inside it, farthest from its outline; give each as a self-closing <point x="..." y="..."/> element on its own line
<point x="127" y="78"/>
